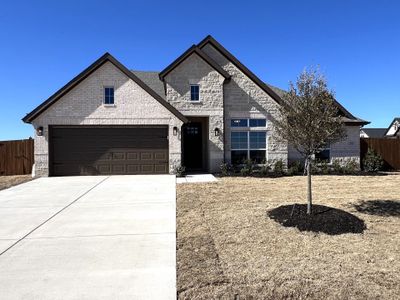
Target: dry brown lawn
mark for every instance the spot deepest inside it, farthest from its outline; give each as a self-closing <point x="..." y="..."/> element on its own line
<point x="228" y="248"/>
<point x="9" y="181"/>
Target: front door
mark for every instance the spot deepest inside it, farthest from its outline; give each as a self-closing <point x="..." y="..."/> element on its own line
<point x="193" y="146"/>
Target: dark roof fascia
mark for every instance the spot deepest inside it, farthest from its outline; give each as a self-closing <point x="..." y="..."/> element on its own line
<point x="107" y="57"/>
<point x="357" y="122"/>
<point x="391" y="124"/>
<point x="201" y="54"/>
<point x="240" y="66"/>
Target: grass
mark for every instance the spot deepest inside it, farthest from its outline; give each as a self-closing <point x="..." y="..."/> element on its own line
<point x="9" y="181"/>
<point x="229" y="248"/>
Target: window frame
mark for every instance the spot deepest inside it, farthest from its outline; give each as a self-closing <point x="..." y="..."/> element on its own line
<point x="240" y="119"/>
<point x="257" y="119"/>
<point x="248" y="125"/>
<point x="327" y="147"/>
<point x="248" y="149"/>
<point x="190" y="92"/>
<point x="105" y="96"/>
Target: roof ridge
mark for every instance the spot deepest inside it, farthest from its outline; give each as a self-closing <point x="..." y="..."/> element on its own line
<point x="201" y="54"/>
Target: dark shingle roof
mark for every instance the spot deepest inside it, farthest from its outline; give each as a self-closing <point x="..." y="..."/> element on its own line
<point x="347" y="116"/>
<point x="152" y="79"/>
<point x="374" y="132"/>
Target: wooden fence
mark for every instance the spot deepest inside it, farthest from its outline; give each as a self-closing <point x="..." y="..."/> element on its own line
<point x="388" y="149"/>
<point x="16" y="157"/>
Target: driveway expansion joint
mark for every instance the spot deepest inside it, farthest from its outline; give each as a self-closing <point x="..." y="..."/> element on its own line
<point x="54" y="215"/>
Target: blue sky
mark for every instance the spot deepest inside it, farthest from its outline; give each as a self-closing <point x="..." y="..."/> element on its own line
<point x="44" y="44"/>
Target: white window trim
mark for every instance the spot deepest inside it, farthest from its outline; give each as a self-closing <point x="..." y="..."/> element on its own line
<point x="190" y="93"/>
<point x="104" y="96"/>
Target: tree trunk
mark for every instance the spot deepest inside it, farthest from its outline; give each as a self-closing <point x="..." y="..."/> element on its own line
<point x="309" y="192"/>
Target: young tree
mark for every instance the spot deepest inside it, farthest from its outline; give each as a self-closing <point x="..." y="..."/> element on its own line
<point x="309" y="119"/>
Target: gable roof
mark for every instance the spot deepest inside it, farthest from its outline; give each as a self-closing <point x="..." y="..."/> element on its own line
<point x="391" y="124"/>
<point x="201" y="54"/>
<point x="276" y="93"/>
<point x="374" y="132"/>
<point x="107" y="57"/>
<point x="210" y="40"/>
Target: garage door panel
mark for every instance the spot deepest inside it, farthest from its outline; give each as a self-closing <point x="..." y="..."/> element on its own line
<point x="118" y="169"/>
<point x="146" y="155"/>
<point x="118" y="156"/>
<point x="133" y="169"/>
<point x="161" y="169"/>
<point x="132" y="156"/>
<point x="96" y="151"/>
<point x="149" y="169"/>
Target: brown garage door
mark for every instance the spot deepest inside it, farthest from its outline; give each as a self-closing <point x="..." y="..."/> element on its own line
<point x="97" y="150"/>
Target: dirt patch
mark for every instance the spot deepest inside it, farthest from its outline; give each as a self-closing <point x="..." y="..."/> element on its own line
<point x="227" y="248"/>
<point x="9" y="181"/>
<point x="324" y="219"/>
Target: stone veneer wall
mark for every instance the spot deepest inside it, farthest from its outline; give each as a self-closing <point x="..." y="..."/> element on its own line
<point x="83" y="105"/>
<point x="194" y="70"/>
<point x="343" y="151"/>
<point x="244" y="99"/>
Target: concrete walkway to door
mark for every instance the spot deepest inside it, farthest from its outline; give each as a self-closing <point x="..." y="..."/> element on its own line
<point x="94" y="237"/>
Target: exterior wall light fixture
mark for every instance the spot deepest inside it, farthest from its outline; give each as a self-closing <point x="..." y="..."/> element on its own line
<point x="175" y="131"/>
<point x="39" y="131"/>
<point x="216" y="131"/>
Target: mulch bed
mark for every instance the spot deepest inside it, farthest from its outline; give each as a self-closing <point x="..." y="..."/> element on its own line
<point x="324" y="219"/>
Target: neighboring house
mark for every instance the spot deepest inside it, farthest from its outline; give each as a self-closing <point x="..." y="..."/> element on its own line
<point x="205" y="108"/>
<point x="393" y="131"/>
<point x="373" y="133"/>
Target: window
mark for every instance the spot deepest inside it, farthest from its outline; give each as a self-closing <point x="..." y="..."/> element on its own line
<point x="258" y="122"/>
<point x="239" y="123"/>
<point x="248" y="145"/>
<point x="324" y="155"/>
<point x="109" y="95"/>
<point x="248" y="123"/>
<point x="194" y="92"/>
<point x="239" y="140"/>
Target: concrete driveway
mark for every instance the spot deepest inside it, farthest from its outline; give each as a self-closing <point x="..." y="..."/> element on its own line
<point x="89" y="238"/>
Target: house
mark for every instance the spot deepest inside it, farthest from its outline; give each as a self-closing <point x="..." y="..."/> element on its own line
<point x="393" y="131"/>
<point x="373" y="133"/>
<point x="205" y="108"/>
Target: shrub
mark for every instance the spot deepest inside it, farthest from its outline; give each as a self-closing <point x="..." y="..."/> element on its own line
<point x="323" y="167"/>
<point x="295" y="168"/>
<point x="247" y="168"/>
<point x="336" y="167"/>
<point x="179" y="171"/>
<point x="279" y="168"/>
<point x="265" y="169"/>
<point x="351" y="167"/>
<point x="372" y="162"/>
<point x="226" y="169"/>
